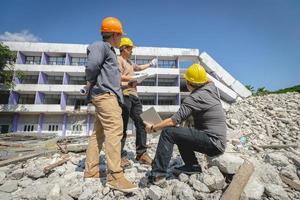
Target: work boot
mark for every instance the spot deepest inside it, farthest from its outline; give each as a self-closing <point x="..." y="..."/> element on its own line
<point x="144" y="159"/>
<point x="96" y="175"/>
<point x="187" y="169"/>
<point x="125" y="163"/>
<point x="121" y="184"/>
<point x="157" y="180"/>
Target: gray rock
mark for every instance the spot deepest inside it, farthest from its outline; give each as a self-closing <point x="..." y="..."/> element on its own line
<point x="277" y="159"/>
<point x="227" y="163"/>
<point x="213" y="179"/>
<point x="5" y="196"/>
<point x="35" y="172"/>
<point x="200" y="187"/>
<point x="9" y="186"/>
<point x="2" y="177"/>
<point x="60" y="170"/>
<point x="183" y="177"/>
<point x="267" y="174"/>
<point x="28" y="193"/>
<point x="17" y="174"/>
<point x="54" y="194"/>
<point x="155" y="192"/>
<point x="276" y="192"/>
<point x="75" y="191"/>
<point x="25" y="182"/>
<point x="234" y="121"/>
<point x="253" y="190"/>
<point x="86" y="195"/>
<point x="290" y="171"/>
<point x="183" y="191"/>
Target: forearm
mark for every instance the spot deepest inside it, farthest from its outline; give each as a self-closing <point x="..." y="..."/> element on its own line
<point x="165" y="123"/>
<point x="142" y="67"/>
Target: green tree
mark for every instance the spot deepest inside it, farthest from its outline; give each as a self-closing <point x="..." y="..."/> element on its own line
<point x="7" y="59"/>
<point x="250" y="88"/>
<point x="262" y="91"/>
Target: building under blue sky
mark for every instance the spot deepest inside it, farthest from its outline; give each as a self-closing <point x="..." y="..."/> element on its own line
<point x="257" y="41"/>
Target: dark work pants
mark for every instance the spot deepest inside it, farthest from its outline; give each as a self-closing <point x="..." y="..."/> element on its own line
<point x="133" y="108"/>
<point x="188" y="141"/>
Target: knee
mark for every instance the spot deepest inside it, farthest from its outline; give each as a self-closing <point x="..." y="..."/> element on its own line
<point x="167" y="132"/>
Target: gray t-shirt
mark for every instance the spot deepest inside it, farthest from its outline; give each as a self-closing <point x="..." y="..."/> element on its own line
<point x="206" y="108"/>
<point x="102" y="70"/>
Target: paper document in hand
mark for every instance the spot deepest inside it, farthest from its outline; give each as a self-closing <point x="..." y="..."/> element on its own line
<point x="139" y="77"/>
<point x="151" y="116"/>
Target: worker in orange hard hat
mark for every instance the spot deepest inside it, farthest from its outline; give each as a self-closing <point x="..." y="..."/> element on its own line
<point x="104" y="85"/>
<point x="132" y="104"/>
<point x="208" y="136"/>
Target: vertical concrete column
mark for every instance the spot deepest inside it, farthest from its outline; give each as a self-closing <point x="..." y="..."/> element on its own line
<point x="63" y="100"/>
<point x="66" y="79"/>
<point x="20" y="58"/>
<point x="43" y="78"/>
<point x="68" y="59"/>
<point x="13" y="98"/>
<point x="41" y="122"/>
<point x="45" y="59"/>
<point x="39" y="98"/>
<point x="15" y="122"/>
<point x="64" y="124"/>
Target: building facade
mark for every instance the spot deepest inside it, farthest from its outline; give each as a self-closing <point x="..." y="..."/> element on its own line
<point x="46" y="98"/>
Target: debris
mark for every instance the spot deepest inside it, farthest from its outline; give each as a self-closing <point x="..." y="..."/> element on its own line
<point x="240" y="179"/>
<point x="54" y="165"/>
<point x="290" y="182"/>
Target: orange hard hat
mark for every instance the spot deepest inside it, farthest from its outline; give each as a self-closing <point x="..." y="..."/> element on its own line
<point x="111" y="25"/>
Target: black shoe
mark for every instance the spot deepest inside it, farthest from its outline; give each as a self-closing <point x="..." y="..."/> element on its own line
<point x="187" y="169"/>
<point x="157" y="180"/>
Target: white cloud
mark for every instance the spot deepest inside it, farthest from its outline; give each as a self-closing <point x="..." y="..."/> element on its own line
<point x="23" y="36"/>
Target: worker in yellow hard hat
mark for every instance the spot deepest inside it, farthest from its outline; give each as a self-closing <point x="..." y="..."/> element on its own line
<point x="208" y="136"/>
<point x="132" y="105"/>
<point x="104" y="85"/>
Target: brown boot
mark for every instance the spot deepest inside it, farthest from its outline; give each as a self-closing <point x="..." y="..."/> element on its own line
<point x="121" y="184"/>
<point x="144" y="159"/>
<point x="97" y="175"/>
<point x="125" y="163"/>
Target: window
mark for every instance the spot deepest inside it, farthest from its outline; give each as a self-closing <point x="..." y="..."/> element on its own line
<point x="77" y="80"/>
<point x="26" y="99"/>
<point x="33" y="60"/>
<point x="55" y="79"/>
<point x="28" y="127"/>
<point x="147" y="100"/>
<point x="167" y="63"/>
<point x="76" y="128"/>
<point x="75" y="99"/>
<point x="29" y="79"/>
<point x="166" y="100"/>
<point x="148" y="82"/>
<point x="4" y="97"/>
<point x="53" y="128"/>
<point x="55" y="60"/>
<point x="52" y="99"/>
<point x="142" y="61"/>
<point x="78" y="61"/>
<point x="167" y="82"/>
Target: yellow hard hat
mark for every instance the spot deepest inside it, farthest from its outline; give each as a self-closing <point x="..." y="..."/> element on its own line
<point x="126" y="42"/>
<point x="196" y="74"/>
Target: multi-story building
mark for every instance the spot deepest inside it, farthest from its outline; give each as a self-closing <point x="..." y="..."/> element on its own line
<point x="46" y="99"/>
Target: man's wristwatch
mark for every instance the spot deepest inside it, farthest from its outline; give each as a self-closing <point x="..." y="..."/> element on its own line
<point x="152" y="129"/>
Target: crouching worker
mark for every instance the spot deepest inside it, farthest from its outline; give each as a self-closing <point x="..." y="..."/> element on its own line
<point x="208" y="136"/>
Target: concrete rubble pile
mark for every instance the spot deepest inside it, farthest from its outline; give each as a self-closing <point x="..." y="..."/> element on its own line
<point x="262" y="130"/>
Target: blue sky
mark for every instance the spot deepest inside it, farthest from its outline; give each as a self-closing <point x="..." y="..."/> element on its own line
<point x="257" y="41"/>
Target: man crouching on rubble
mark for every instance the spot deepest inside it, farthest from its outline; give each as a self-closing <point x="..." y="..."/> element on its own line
<point x="207" y="137"/>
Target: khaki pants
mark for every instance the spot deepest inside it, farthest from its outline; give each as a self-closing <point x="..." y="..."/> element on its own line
<point x="108" y="128"/>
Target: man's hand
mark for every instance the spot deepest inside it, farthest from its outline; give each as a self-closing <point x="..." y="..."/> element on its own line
<point x="153" y="62"/>
<point x="132" y="84"/>
<point x="148" y="127"/>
